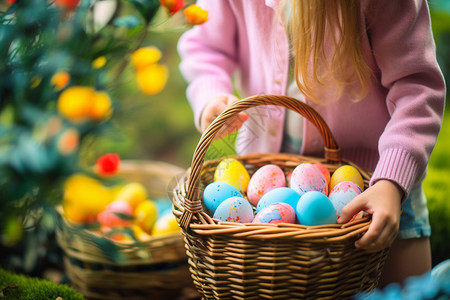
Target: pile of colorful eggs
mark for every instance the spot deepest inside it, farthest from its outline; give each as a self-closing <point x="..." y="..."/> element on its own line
<point x="308" y="195"/>
<point x="120" y="212"/>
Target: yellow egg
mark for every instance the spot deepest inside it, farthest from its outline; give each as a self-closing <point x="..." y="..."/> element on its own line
<point x="166" y="224"/>
<point x="134" y="193"/>
<point x="85" y="197"/>
<point x="140" y="234"/>
<point x="232" y="172"/>
<point x="145" y="215"/>
<point x="346" y="173"/>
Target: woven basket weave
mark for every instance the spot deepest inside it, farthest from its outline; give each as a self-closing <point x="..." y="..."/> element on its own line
<point x="271" y="261"/>
<point x="154" y="269"/>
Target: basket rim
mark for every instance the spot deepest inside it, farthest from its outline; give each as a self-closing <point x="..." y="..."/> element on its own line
<point x="204" y="225"/>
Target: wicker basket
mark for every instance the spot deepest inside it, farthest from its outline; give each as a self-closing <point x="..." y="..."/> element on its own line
<point x="154" y="269"/>
<point x="271" y="261"/>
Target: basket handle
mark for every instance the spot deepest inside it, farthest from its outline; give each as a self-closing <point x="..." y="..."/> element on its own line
<point x="192" y="204"/>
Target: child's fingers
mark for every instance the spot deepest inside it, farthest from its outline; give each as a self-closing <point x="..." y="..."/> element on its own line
<point x="358" y="204"/>
<point x="380" y="235"/>
<point x="232" y="125"/>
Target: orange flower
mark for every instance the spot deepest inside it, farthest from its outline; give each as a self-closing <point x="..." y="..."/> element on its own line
<point x="172" y="5"/>
<point x="108" y="164"/>
<point x="68" y="141"/>
<point x="60" y="80"/>
<point x="195" y="14"/>
<point x="68" y="5"/>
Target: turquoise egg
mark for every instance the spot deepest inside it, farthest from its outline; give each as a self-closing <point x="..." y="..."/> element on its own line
<point x="216" y="192"/>
<point x="314" y="208"/>
<point x="277" y="195"/>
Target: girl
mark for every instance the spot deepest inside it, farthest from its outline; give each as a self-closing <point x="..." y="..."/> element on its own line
<point x="367" y="66"/>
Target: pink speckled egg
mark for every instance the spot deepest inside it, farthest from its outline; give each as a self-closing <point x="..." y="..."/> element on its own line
<point x="276" y="213"/>
<point x="307" y="177"/>
<point x="111" y="215"/>
<point x="342" y="194"/>
<point x="263" y="180"/>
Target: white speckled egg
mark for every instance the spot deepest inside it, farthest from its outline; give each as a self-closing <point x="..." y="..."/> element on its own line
<point x="342" y="194"/>
<point x="307" y="177"/>
<point x="235" y="209"/>
<point x="263" y="180"/>
<point x="276" y="213"/>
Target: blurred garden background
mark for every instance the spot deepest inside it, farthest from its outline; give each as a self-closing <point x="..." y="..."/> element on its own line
<point x="160" y="127"/>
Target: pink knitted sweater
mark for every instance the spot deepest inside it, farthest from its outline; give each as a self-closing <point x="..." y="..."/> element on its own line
<point x="391" y="132"/>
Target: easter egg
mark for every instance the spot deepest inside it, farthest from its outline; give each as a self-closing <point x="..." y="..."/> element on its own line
<point x="166" y="224"/>
<point x="342" y="194"/>
<point x="233" y="172"/>
<point x="346" y="173"/>
<point x="276" y="213"/>
<point x="84" y="198"/>
<point x="164" y="205"/>
<point x="314" y="208"/>
<point x="145" y="215"/>
<point x="132" y="192"/>
<point x="234" y="209"/>
<point x="217" y="192"/>
<point x="324" y="171"/>
<point x="117" y="213"/>
<point x="263" y="180"/>
<point x="277" y="195"/>
<point x="140" y="234"/>
<point x="306" y="177"/>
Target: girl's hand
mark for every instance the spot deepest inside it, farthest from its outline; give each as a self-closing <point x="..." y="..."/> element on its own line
<point x="382" y="201"/>
<point x="214" y="108"/>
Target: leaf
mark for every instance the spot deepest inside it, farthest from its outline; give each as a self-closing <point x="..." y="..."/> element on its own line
<point x="147" y="8"/>
<point x="127" y="21"/>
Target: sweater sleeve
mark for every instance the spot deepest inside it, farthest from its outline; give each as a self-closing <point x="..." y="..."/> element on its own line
<point x="208" y="55"/>
<point x="404" y="50"/>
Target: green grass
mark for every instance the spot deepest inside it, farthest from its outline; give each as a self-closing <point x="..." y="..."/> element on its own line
<point x="437" y="190"/>
<point x="20" y="287"/>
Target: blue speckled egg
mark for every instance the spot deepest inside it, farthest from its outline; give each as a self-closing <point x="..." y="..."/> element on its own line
<point x="277" y="195"/>
<point x="216" y="192"/>
<point x="314" y="208"/>
<point x="235" y="209"/>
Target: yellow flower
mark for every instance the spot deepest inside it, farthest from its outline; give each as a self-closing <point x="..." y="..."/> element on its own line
<point x="101" y="106"/>
<point x="75" y="102"/>
<point x="152" y="79"/>
<point x="60" y="80"/>
<point x="99" y="62"/>
<point x="145" y="56"/>
<point x="195" y="14"/>
<point x="79" y="103"/>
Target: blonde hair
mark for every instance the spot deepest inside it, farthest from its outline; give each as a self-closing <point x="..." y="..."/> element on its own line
<point x="312" y="25"/>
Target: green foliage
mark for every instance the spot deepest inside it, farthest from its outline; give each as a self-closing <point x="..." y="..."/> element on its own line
<point x="437" y="189"/>
<point x="37" y="40"/>
<point x="14" y="286"/>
